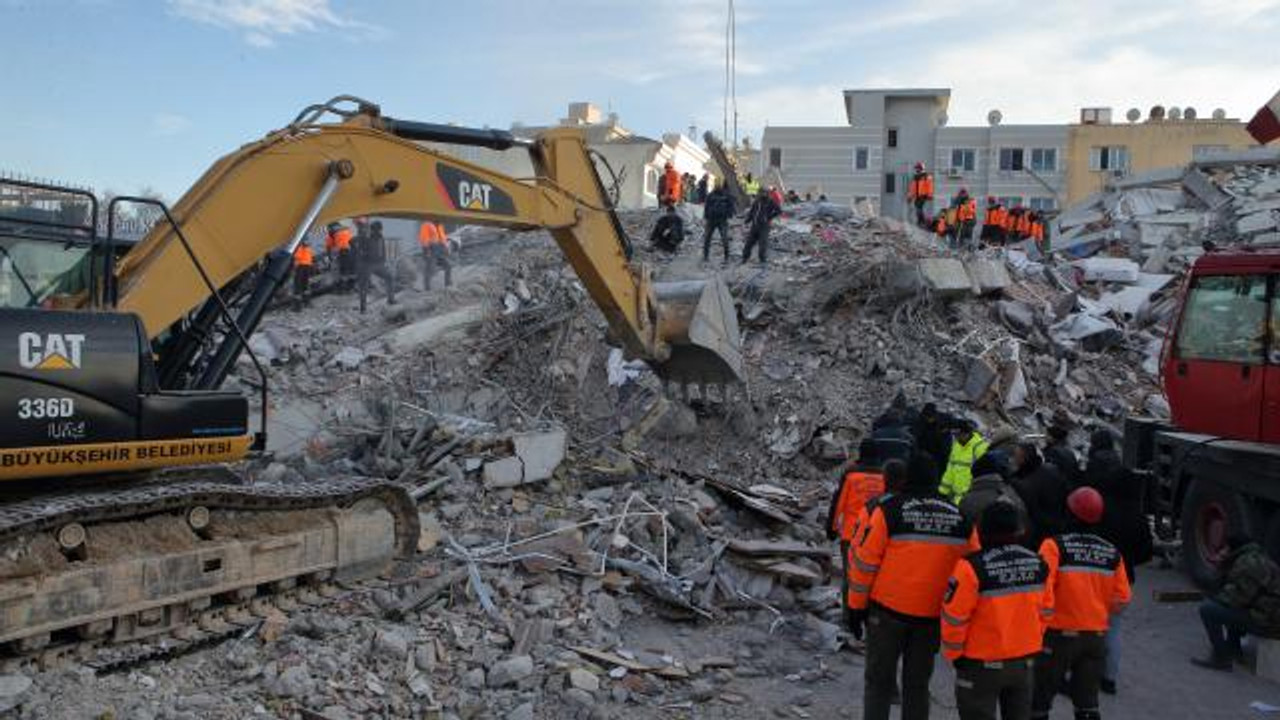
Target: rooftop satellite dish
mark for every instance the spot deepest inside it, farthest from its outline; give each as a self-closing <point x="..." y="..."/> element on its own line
<point x="1134" y="115"/>
<point x="1157" y="112"/>
<point x="994" y="117"/>
<point x="1175" y="113"/>
<point x="1219" y="114"/>
<point x="1189" y="114"/>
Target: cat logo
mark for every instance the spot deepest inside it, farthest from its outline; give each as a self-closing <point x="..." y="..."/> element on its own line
<point x="474" y="195"/>
<point x="54" y="351"/>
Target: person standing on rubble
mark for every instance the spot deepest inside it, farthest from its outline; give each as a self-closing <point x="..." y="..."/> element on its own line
<point x="716" y="212"/>
<point x="341" y="237"/>
<point x="989" y="486"/>
<point x="434" y="242"/>
<point x="897" y="576"/>
<point x="750" y="185"/>
<point x="1089" y="585"/>
<point x="993" y="618"/>
<point x="920" y="193"/>
<point x="932" y="434"/>
<point x="371" y="261"/>
<point x="759" y="218"/>
<point x="303" y="265"/>
<point x="669" y="185"/>
<point x="966" y="217"/>
<point x="860" y="480"/>
<point x="704" y="186"/>
<point x="966" y="448"/>
<point x="993" y="223"/>
<point x="1058" y="453"/>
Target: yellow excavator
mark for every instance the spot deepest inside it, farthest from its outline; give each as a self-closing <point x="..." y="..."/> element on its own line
<point x="119" y="520"/>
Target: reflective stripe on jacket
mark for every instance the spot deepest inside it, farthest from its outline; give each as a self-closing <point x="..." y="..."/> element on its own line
<point x="910" y="545"/>
<point x="996" y="604"/>
<point x="1088" y="581"/>
<point x="959" y="475"/>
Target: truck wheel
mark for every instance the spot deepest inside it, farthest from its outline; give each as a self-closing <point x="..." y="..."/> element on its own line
<point x="1211" y="513"/>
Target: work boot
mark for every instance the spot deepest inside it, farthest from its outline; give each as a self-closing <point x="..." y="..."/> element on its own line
<point x="1107" y="686"/>
<point x="1213" y="662"/>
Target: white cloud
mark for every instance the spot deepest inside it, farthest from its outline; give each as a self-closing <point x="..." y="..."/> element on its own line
<point x="169" y="124"/>
<point x="263" y="21"/>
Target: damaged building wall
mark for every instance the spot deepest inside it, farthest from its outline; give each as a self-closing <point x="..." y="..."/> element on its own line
<point x="842" y="163"/>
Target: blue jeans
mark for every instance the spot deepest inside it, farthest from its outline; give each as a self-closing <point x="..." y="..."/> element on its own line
<point x="1111" y="669"/>
<point x="1226" y="626"/>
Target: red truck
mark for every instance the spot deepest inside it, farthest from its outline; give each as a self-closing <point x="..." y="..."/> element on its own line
<point x="1214" y="471"/>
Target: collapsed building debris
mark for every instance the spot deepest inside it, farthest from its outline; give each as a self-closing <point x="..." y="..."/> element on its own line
<point x="571" y="503"/>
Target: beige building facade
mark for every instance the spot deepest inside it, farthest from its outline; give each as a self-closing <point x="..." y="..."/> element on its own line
<point x="1099" y="150"/>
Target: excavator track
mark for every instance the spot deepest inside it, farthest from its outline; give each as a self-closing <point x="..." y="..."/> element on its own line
<point x="116" y="574"/>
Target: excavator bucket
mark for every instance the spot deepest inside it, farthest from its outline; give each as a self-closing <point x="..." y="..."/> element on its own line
<point x="700" y="323"/>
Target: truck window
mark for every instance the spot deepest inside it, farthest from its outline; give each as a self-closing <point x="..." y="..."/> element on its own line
<point x="1225" y="319"/>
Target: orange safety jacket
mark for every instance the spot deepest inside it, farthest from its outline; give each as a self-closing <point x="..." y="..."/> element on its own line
<point x="672" y="186"/>
<point x="995" y="216"/>
<point x="940" y="227"/>
<point x="921" y="187"/>
<point x="910" y="545"/>
<point x="997" y="602"/>
<point x="303" y="257"/>
<point x="1024" y="225"/>
<point x="967" y="210"/>
<point x="1088" y="580"/>
<point x="1037" y="231"/>
<point x="432" y="234"/>
<point x="1007" y="220"/>
<point x="341" y="240"/>
<point x="857" y="487"/>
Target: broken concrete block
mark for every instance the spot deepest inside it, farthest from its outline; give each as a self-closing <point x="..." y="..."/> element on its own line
<point x="1150" y="178"/>
<point x="348" y="358"/>
<point x="1018" y="316"/>
<point x="1256" y="223"/>
<point x="1083" y="245"/>
<point x="982" y="375"/>
<point x="1199" y="186"/>
<point x="503" y="473"/>
<point x="945" y="276"/>
<point x="1129" y="302"/>
<point x="1108" y="269"/>
<point x="541" y="452"/>
<point x="434" y="328"/>
<point x="987" y="276"/>
<point x="1093" y="333"/>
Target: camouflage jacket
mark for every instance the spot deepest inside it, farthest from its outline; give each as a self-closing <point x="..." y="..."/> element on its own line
<point x="1253" y="584"/>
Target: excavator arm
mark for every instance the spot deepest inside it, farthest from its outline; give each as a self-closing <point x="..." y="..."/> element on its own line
<point x="268" y="193"/>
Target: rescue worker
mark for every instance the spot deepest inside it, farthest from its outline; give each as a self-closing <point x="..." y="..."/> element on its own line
<point x="989" y="486"/>
<point x="993" y="616"/>
<point x="1037" y="229"/>
<point x="716" y="212"/>
<point x="435" y="251"/>
<point x="759" y="218"/>
<point x="992" y="223"/>
<point x="303" y="266"/>
<point x="1058" y="452"/>
<point x="860" y="481"/>
<point x="897" y="575"/>
<point x="704" y="187"/>
<point x="669" y="190"/>
<point x="341" y="238"/>
<point x="966" y="216"/>
<point x="668" y="232"/>
<point x="931" y="431"/>
<point x="940" y="227"/>
<point x="920" y="192"/>
<point x="370" y="250"/>
<point x="966" y="448"/>
<point x="1011" y="224"/>
<point x="1044" y="492"/>
<point x="776" y="195"/>
<point x="1088" y="582"/>
<point x="1024" y="224"/>
<point x="750" y="185"/>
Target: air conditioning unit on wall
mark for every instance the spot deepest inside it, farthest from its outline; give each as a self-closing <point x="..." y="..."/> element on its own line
<point x="955" y="174"/>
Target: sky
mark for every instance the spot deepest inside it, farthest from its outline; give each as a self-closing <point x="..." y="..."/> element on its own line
<point x="132" y="95"/>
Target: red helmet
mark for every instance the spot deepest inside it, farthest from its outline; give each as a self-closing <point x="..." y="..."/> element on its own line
<point x="1086" y="504"/>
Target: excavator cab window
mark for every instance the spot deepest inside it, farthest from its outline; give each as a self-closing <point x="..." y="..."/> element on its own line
<point x="1225" y="320"/>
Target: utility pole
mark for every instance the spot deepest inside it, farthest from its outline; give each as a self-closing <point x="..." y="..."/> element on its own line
<point x="731" y="78"/>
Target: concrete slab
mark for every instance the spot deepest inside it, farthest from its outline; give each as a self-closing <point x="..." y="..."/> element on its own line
<point x="1231" y="158"/>
<point x="1256" y="223"/>
<point x="988" y="276"/>
<point x="1151" y="178"/>
<point x="1198" y="185"/>
<point x="945" y="276"/>
<point x="503" y="473"/>
<point x="434" y="328"/>
<point x="541" y="452"/>
<point x="1108" y="269"/>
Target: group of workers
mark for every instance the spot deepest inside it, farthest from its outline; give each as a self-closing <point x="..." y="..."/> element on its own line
<point x="718" y="208"/>
<point x="955" y="223"/>
<point x="360" y="254"/>
<point x="1012" y="561"/>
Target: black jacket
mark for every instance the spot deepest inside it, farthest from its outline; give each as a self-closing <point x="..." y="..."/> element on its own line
<point x="1064" y="459"/>
<point x="933" y="438"/>
<point x="668" y="233"/>
<point x="719" y="207"/>
<point x="763" y="211"/>
<point x="1044" y="491"/>
<point x="1124" y="520"/>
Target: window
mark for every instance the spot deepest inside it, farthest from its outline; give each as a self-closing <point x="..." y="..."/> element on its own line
<point x="1111" y="157"/>
<point x="1044" y="159"/>
<point x="1225" y="319"/>
<point x="1042" y="204"/>
<point x="860" y="158"/>
<point x="1011" y="201"/>
<point x="1200" y="152"/>
<point x="893" y="138"/>
<point x="890" y="183"/>
<point x="775" y="157"/>
<point x="1010" y="158"/>
<point x="962" y="159"/>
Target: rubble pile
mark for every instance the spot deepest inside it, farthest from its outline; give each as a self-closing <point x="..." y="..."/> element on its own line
<point x="595" y="544"/>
